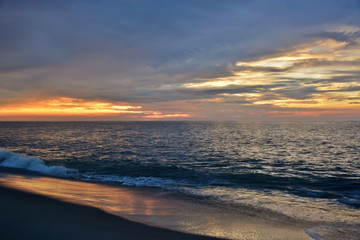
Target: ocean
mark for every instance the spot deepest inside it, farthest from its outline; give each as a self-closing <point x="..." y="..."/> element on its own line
<point x="304" y="172"/>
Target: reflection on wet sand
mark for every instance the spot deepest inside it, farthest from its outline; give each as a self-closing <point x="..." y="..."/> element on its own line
<point x="159" y="208"/>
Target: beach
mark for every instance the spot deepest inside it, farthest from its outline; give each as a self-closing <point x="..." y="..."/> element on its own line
<point x="293" y="183"/>
<point x="30" y="216"/>
<point x="56" y="208"/>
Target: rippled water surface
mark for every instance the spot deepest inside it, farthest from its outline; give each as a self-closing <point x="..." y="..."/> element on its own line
<point x="290" y="167"/>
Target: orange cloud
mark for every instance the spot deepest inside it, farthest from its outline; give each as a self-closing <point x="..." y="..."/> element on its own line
<point x="67" y="106"/>
<point x="64" y="106"/>
<point x="307" y="76"/>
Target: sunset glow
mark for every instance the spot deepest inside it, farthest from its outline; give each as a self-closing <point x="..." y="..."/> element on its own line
<point x="210" y="65"/>
<point x="76" y="107"/>
<point x="68" y="106"/>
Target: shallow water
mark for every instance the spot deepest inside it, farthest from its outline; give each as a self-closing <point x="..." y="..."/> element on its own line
<point x="162" y="209"/>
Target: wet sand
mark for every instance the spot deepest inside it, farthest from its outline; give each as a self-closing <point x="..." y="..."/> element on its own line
<point x="30" y="216"/>
<point x="140" y="206"/>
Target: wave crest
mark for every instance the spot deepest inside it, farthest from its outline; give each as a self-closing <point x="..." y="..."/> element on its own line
<point x="13" y="160"/>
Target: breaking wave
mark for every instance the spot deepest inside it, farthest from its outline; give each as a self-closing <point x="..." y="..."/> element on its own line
<point x="134" y="181"/>
<point x="13" y="160"/>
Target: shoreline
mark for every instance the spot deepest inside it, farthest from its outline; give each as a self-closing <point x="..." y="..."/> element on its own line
<point x="27" y="213"/>
<point x="150" y="208"/>
<point x="31" y="216"/>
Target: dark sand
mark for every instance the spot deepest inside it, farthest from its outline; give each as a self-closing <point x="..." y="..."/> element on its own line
<point x="30" y="216"/>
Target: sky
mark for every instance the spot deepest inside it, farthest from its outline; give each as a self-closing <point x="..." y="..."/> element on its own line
<point x="179" y="60"/>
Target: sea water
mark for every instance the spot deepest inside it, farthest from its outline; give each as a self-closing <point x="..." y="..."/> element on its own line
<point x="304" y="171"/>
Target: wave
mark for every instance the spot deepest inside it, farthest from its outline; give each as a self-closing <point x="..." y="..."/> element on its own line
<point x="183" y="186"/>
<point x="134" y="181"/>
<point x="210" y="190"/>
<point x="217" y="187"/>
<point x="14" y="160"/>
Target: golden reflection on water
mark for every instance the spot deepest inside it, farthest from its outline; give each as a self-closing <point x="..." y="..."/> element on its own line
<point x="157" y="208"/>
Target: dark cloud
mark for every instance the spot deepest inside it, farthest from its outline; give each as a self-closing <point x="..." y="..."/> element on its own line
<point x="169" y="36"/>
<point x="350" y="37"/>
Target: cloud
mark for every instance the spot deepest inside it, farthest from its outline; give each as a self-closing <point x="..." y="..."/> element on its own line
<point x="146" y="52"/>
<point x="317" y="74"/>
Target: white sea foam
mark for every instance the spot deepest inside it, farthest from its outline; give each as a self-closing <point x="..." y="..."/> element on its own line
<point x="135" y="181"/>
<point x="182" y="186"/>
<point x="13" y="160"/>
